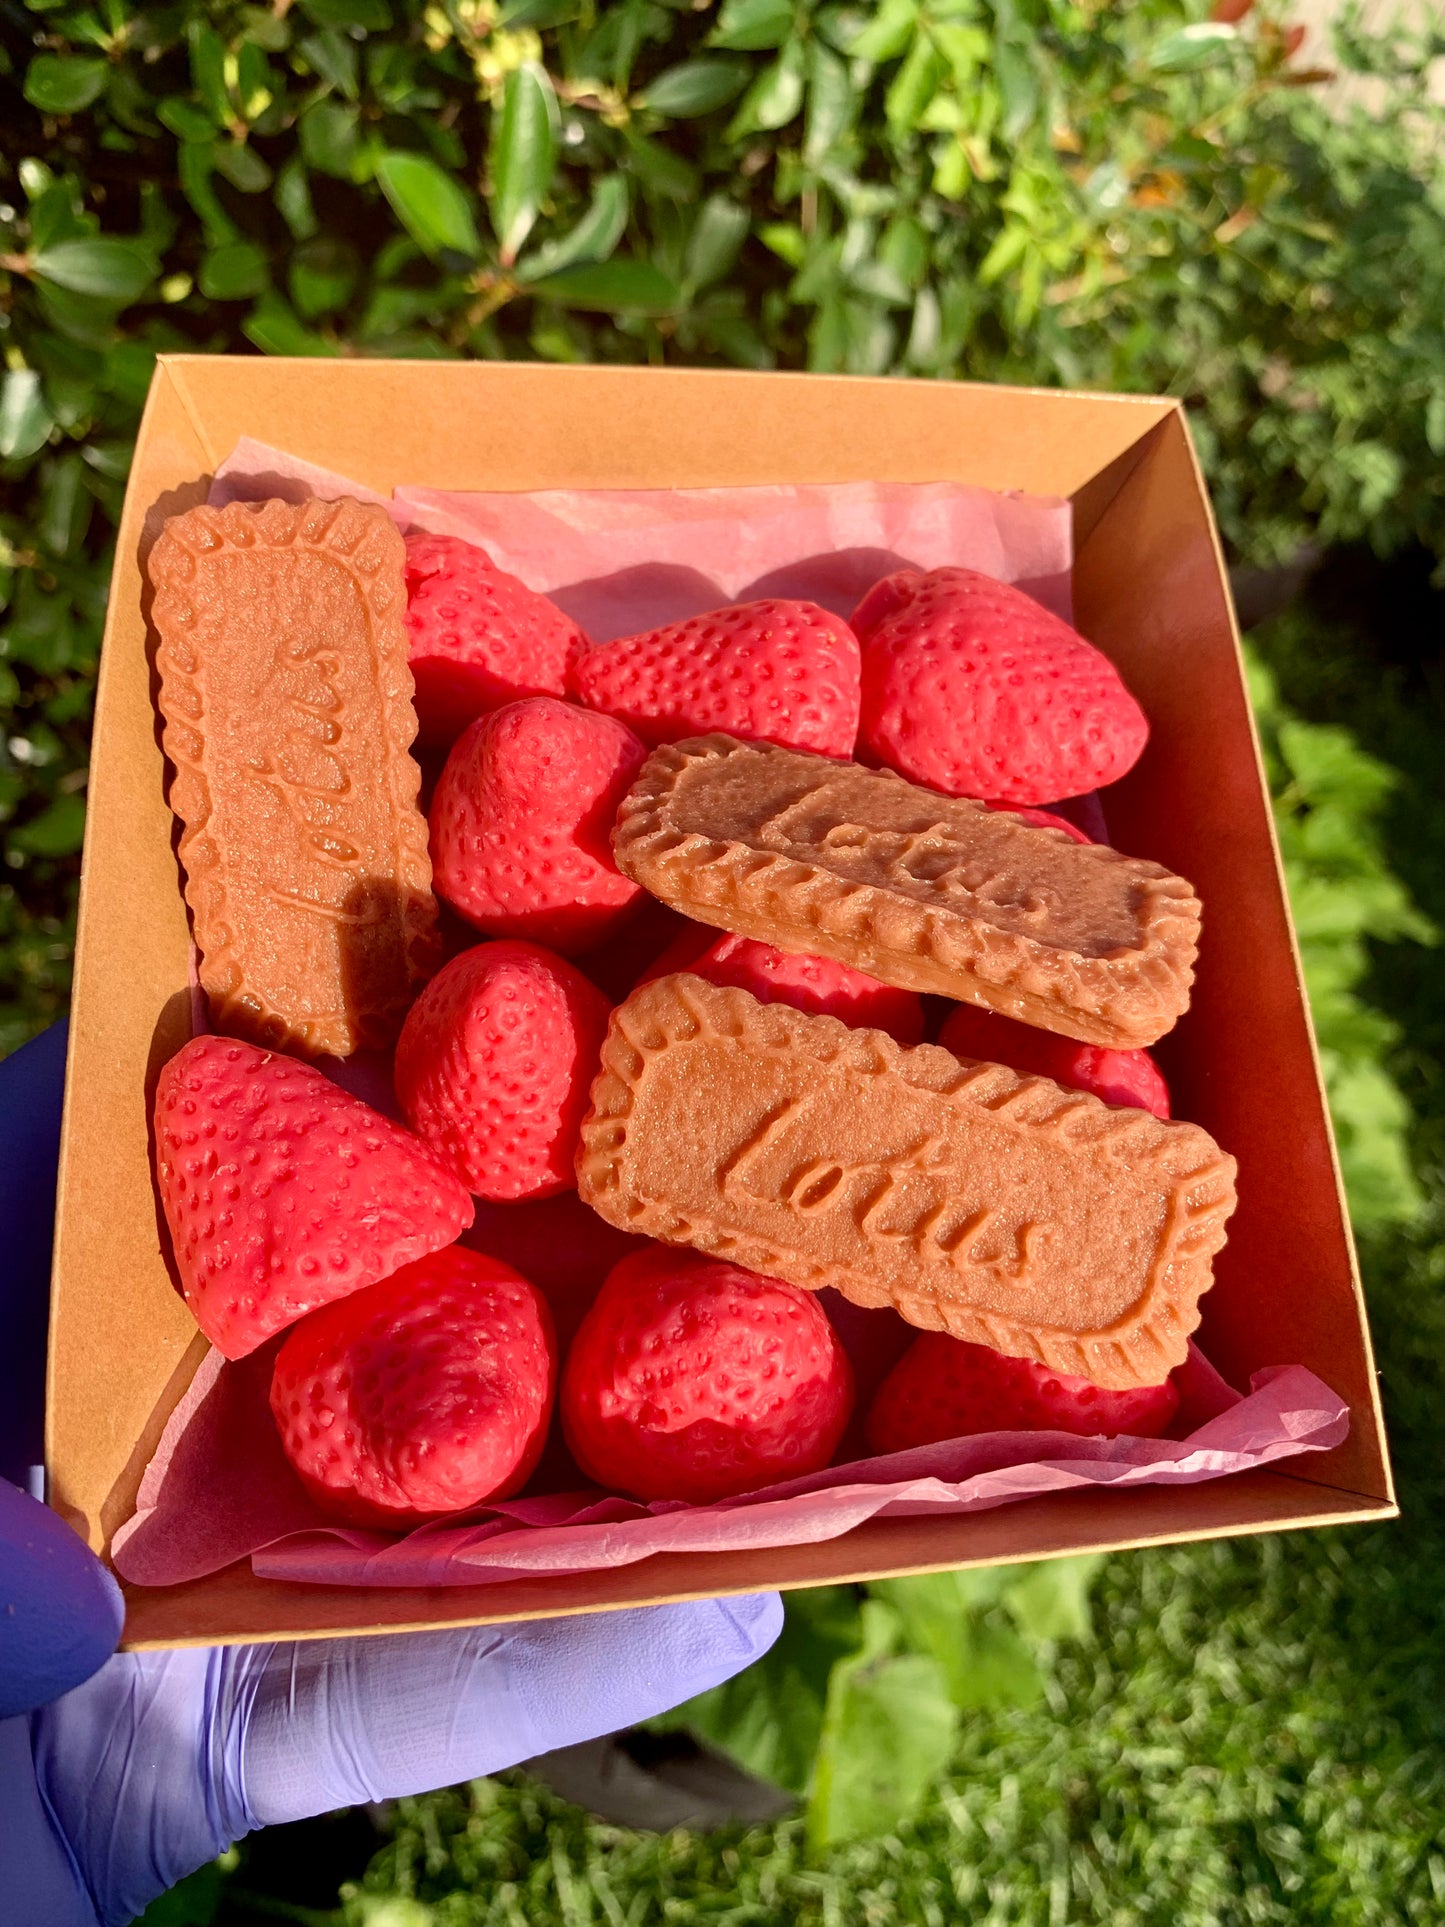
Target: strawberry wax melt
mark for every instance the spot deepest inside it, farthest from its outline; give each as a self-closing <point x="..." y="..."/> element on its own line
<point x="973" y="689"/>
<point x="424" y="1395"/>
<point x="521" y="824"/>
<point x="945" y="1388"/>
<point x="282" y="1192"/>
<point x="493" y="1066"/>
<point x="691" y="1379"/>
<point x="477" y="638"/>
<point x="787" y="671"/>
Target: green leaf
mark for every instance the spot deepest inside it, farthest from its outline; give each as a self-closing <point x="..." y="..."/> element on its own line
<point x="118" y="270"/>
<point x="193" y="168"/>
<point x="323" y="275"/>
<point x="208" y="71"/>
<point x="538" y="14"/>
<point x="938" y="1614"/>
<point x="613" y="287"/>
<point x="659" y="171"/>
<point x="889" y="1729"/>
<point x="830" y="102"/>
<point x="750" y="25"/>
<point x="716" y="241"/>
<point x="255" y="84"/>
<point x="65" y="506"/>
<point x="234" y="272"/>
<point x="293" y="198"/>
<point x="737" y="340"/>
<point x="1372" y="1120"/>
<point x="1328" y="764"/>
<point x="784" y="240"/>
<point x="334" y="57"/>
<point x="904" y="250"/>
<point x="274" y="329"/>
<point x="83" y="318"/>
<point x="39" y="628"/>
<point x="185" y="119"/>
<point x="56" y="215"/>
<point x="914" y="85"/>
<point x="25" y="419"/>
<point x="774" y="97"/>
<point x="925" y="334"/>
<point x="1050" y="1598"/>
<point x="1018" y="88"/>
<point x="523" y="156"/>
<point x="1008" y="250"/>
<point x="369" y="16"/>
<point x="64" y="83"/>
<point x="953" y="1618"/>
<point x="429" y="205"/>
<point x="241" y="165"/>
<point x="695" y="87"/>
<point x="331" y="138"/>
<point x="769" y="1717"/>
<point x="966" y="49"/>
<point x="594" y="238"/>
<point x="1376" y="470"/>
<point x="1203" y="44"/>
<point x="887" y="33"/>
<point x="58" y="831"/>
<point x="35" y="178"/>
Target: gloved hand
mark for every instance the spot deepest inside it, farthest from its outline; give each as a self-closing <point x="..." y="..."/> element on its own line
<point x="146" y="1768"/>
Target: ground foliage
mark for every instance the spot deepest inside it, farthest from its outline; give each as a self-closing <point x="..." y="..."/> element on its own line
<point x="1036" y="190"/>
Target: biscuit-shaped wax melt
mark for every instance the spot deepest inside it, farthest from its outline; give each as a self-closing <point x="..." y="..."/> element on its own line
<point x="1003" y="1209"/>
<point x="287" y="702"/>
<point x="929" y="892"/>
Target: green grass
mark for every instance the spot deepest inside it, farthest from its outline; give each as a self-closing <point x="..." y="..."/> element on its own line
<point x="1256" y="1734"/>
<point x="1255" y="1738"/>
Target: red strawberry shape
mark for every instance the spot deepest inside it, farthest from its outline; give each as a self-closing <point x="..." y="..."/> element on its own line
<point x="425" y="1395"/>
<point x="283" y="1193"/>
<point x="944" y="1388"/>
<point x="784" y="671"/>
<point x="693" y="1379"/>
<point x="972" y="688"/>
<point x="477" y="637"/>
<point x="789" y="977"/>
<point x="494" y="1064"/>
<point x="521" y="824"/>
<point x="1129" y="1077"/>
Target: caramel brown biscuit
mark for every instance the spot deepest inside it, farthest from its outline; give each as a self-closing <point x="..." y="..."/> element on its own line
<point x="929" y="892"/>
<point x="1000" y="1208"/>
<point x="287" y="702"/>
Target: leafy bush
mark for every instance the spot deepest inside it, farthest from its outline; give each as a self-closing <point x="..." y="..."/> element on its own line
<point x="857" y="1708"/>
<point x="1033" y="190"/>
<point x="1328" y="796"/>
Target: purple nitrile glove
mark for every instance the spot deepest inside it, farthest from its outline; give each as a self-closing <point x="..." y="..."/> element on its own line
<point x="122" y="1772"/>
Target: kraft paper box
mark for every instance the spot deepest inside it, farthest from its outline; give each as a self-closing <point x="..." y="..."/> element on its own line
<point x="1149" y="588"/>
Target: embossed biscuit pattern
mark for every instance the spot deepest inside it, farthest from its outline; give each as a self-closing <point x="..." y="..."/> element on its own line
<point x="286" y="700"/>
<point x="999" y="1208"/>
<point x="928" y="892"/>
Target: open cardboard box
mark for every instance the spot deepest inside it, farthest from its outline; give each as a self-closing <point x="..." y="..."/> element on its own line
<point x="1149" y="589"/>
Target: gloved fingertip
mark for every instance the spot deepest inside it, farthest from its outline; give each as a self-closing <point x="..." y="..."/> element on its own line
<point x="758" y="1617"/>
<point x="62" y="1609"/>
